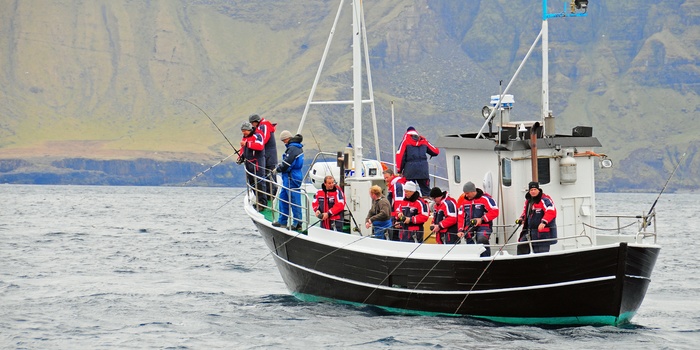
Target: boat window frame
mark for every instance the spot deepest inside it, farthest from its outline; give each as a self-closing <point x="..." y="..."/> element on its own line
<point x="456" y="168"/>
<point x="507" y="172"/>
<point x="544" y="171"/>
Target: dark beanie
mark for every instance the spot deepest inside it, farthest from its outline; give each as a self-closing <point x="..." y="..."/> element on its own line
<point x="410" y="128"/>
<point x="254" y="118"/>
<point x="533" y="184"/>
<point x="436" y="192"/>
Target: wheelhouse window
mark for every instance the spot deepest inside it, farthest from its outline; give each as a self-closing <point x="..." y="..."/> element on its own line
<point x="543" y="174"/>
<point x="506" y="177"/>
<point x="457" y="169"/>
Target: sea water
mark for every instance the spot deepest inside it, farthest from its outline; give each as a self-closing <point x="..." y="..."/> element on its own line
<point x="86" y="267"/>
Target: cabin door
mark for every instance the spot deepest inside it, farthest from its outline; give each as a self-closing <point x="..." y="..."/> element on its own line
<point x="574" y="218"/>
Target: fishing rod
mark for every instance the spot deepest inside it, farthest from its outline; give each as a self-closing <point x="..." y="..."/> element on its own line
<point x="203" y="172"/>
<point x="486" y="268"/>
<point x="212" y="121"/>
<point x="230" y="200"/>
<point x="645" y="223"/>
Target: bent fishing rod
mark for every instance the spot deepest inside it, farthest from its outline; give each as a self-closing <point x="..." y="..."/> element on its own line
<point x="212" y="121"/>
<point x="645" y="222"/>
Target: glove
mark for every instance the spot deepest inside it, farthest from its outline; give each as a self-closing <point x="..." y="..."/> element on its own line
<point x="240" y="160"/>
<point x="518" y="221"/>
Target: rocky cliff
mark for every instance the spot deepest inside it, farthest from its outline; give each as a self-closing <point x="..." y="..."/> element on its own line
<point x="92" y="92"/>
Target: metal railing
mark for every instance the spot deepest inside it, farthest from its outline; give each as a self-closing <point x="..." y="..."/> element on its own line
<point x="644" y="225"/>
<point x="256" y="186"/>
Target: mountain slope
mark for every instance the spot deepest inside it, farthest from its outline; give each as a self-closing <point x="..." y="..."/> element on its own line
<point x="106" y="80"/>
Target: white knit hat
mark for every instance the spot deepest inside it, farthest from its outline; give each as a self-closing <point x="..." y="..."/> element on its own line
<point x="285" y="134"/>
<point x="410" y="186"/>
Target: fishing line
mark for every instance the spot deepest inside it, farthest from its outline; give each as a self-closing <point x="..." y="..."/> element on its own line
<point x="203" y="172"/>
<point x="645" y="223"/>
<point x="436" y="264"/>
<point x="486" y="268"/>
<point x="339" y="248"/>
<point x="285" y="242"/>
<point x="212" y="121"/>
<point x="234" y="197"/>
<point x="397" y="266"/>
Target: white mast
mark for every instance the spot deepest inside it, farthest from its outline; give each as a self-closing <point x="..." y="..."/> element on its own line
<point x="357" y="84"/>
<point x="545" y="69"/>
<point x="359" y="37"/>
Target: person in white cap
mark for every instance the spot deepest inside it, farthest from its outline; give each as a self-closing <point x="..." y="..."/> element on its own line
<point x="412" y="214"/>
<point x="290" y="171"/>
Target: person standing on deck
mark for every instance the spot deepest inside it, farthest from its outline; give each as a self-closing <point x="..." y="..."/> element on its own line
<point x="395" y="194"/>
<point x="267" y="129"/>
<point x="538" y="219"/>
<point x="253" y="154"/>
<point x="476" y="212"/>
<point x="412" y="159"/>
<point x="444" y="225"/>
<point x="290" y="170"/>
<point x="379" y="214"/>
<point x="412" y="214"/>
<point x="329" y="205"/>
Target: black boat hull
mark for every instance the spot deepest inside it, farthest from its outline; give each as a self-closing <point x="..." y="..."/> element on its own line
<point x="588" y="286"/>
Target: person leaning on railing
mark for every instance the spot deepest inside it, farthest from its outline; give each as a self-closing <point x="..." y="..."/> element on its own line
<point x="253" y="155"/>
<point x="329" y="205"/>
<point x="379" y="214"/>
<point x="538" y="219"/>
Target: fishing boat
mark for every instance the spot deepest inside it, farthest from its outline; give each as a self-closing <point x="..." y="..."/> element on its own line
<point x="596" y="272"/>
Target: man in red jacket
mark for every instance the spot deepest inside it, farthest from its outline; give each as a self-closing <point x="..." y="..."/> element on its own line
<point x="444" y="225"/>
<point x="477" y="211"/>
<point x="267" y="130"/>
<point x="329" y="205"/>
<point x="538" y="219"/>
<point x="412" y="159"/>
<point x="253" y="154"/>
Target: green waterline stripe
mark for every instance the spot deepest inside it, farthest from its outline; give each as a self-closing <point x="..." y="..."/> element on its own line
<point x="553" y="321"/>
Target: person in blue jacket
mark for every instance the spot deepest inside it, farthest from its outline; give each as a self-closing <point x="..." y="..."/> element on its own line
<point x="290" y="170"/>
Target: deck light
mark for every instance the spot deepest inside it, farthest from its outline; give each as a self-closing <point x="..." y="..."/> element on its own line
<point x="581" y="4"/>
<point x="486" y="111"/>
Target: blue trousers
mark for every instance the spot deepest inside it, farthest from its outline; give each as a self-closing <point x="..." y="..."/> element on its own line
<point x="380" y="227"/>
<point x="288" y="196"/>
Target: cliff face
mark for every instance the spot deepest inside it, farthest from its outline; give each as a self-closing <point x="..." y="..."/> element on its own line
<point x="105" y="81"/>
<point x="137" y="172"/>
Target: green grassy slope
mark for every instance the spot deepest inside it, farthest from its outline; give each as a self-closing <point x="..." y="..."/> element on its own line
<point x="105" y="79"/>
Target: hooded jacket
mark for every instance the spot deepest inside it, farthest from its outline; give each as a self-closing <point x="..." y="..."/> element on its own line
<point x="411" y="158"/>
<point x="292" y="161"/>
